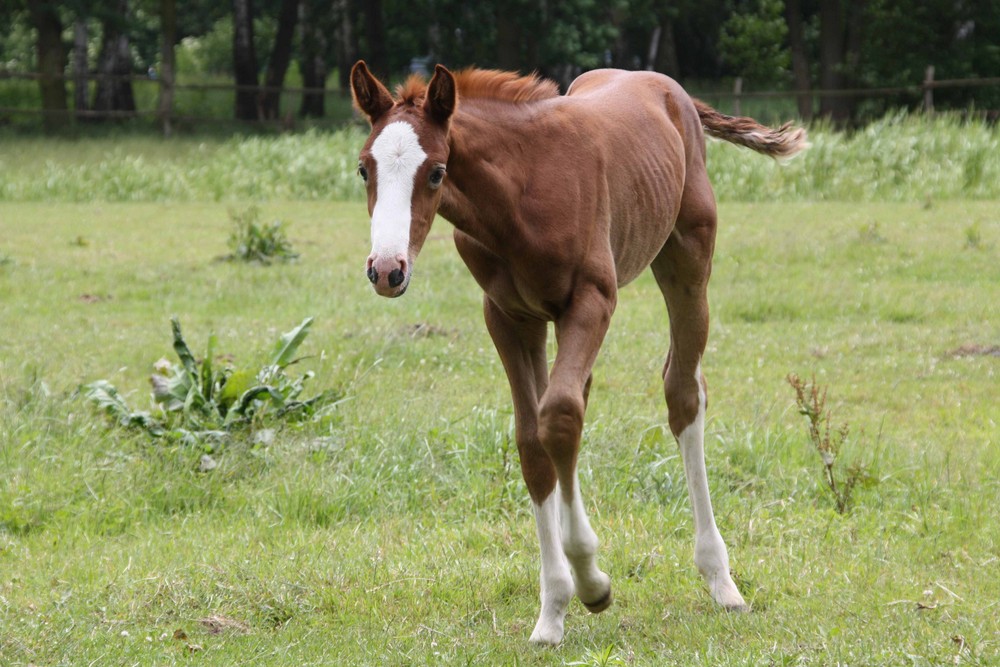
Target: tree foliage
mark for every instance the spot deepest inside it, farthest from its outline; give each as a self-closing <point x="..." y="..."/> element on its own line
<point x="833" y="44"/>
<point x="752" y="41"/>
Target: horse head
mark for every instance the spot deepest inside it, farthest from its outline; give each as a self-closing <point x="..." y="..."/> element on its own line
<point x="404" y="164"/>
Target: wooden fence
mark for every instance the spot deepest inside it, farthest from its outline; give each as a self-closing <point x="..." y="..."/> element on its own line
<point x="166" y="119"/>
<point x="922" y="90"/>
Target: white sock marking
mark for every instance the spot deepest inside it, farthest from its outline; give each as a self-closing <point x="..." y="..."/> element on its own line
<point x="556" y="580"/>
<point x="580" y="545"/>
<point x="710" y="555"/>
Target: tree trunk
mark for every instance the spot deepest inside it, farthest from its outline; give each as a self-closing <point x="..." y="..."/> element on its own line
<point x="244" y="61"/>
<point x="654" y="47"/>
<point x="378" y="56"/>
<point x="508" y="40"/>
<point x="114" y="88"/>
<point x="52" y="56"/>
<point x="508" y="37"/>
<point x="281" y="56"/>
<point x="81" y="66"/>
<point x="666" y="53"/>
<point x="168" y="37"/>
<point x="800" y="63"/>
<point x="347" y="43"/>
<point x="831" y="61"/>
<point x="313" y="62"/>
<point x="852" y="52"/>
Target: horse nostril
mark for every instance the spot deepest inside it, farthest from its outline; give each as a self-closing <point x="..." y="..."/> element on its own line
<point x="395" y="278"/>
<point x="373" y="275"/>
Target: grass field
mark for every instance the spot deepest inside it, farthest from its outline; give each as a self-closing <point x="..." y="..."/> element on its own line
<point x="395" y="529"/>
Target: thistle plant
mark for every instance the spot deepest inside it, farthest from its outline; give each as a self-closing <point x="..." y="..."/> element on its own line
<point x="201" y="402"/>
<point x="828" y="441"/>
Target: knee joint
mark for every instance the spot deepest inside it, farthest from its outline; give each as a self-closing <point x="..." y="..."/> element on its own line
<point x="560" y="419"/>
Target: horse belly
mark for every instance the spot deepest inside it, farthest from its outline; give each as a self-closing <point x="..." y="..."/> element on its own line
<point x="643" y="213"/>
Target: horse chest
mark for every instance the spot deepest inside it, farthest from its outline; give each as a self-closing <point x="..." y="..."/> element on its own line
<point x="522" y="284"/>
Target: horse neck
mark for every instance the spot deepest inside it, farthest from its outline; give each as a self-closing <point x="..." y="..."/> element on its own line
<point x="485" y="176"/>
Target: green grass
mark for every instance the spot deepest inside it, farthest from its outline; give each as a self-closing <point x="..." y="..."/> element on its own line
<point x="397" y="530"/>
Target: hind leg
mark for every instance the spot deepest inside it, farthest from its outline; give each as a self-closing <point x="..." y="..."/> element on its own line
<point x="682" y="270"/>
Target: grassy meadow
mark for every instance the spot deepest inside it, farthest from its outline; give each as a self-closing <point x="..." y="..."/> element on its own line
<point x="393" y="528"/>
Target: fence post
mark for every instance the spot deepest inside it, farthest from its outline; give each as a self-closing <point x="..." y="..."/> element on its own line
<point x="737" y="91"/>
<point x="929" y="90"/>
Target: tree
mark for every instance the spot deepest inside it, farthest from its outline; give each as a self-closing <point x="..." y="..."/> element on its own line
<point x="664" y="57"/>
<point x="281" y="56"/>
<point x="52" y="59"/>
<point x="244" y="61"/>
<point x="800" y="62"/>
<point x="347" y="40"/>
<point x="375" y="37"/>
<point x="114" y="87"/>
<point x="752" y="41"/>
<point x="314" y="27"/>
<point x="508" y="37"/>
<point x="81" y="65"/>
<point x="168" y="39"/>
<point x="840" y="41"/>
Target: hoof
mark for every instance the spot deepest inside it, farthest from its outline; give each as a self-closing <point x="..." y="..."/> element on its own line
<point x="546" y="637"/>
<point x="549" y="628"/>
<point x="600" y="605"/>
<point x="726" y="595"/>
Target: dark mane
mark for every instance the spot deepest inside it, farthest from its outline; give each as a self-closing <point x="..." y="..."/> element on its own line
<point x="484" y="84"/>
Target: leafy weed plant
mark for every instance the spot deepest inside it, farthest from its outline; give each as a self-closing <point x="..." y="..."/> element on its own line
<point x="840" y="479"/>
<point x="200" y="402"/>
<point x="253" y="241"/>
<point x="606" y="657"/>
<point x="973" y="237"/>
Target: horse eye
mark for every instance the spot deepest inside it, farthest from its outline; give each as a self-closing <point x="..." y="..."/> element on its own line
<point x="363" y="173"/>
<point x="436" y="177"/>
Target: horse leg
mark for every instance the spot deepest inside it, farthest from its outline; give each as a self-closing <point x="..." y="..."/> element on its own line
<point x="682" y="270"/>
<point x="521" y="345"/>
<point x="579" y="334"/>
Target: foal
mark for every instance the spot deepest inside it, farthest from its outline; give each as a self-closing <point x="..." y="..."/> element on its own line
<point x="557" y="201"/>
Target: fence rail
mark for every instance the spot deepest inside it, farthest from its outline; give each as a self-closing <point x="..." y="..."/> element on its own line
<point x="923" y="90"/>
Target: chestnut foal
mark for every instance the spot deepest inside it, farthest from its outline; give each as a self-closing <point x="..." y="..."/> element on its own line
<point x="557" y="201"/>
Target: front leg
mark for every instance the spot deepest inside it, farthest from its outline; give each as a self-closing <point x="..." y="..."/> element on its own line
<point x="521" y="344"/>
<point x="580" y="332"/>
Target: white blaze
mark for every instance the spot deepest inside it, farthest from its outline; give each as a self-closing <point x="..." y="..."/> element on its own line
<point x="398" y="156"/>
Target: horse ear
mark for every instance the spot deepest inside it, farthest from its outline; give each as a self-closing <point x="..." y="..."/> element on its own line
<point x="370" y="96"/>
<point x="442" y="95"/>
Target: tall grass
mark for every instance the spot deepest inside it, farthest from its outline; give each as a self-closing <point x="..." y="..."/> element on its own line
<point x="899" y="158"/>
<point x="313" y="165"/>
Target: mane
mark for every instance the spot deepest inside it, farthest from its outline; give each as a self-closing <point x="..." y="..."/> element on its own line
<point x="484" y="84"/>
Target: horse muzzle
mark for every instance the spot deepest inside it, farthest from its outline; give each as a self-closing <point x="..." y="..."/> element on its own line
<point x="390" y="275"/>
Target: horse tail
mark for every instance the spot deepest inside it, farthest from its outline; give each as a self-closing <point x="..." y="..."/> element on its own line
<point x="780" y="143"/>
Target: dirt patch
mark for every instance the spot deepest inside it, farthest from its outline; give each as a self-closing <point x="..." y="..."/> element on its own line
<point x="95" y="298"/>
<point x="216" y="625"/>
<point x="975" y="350"/>
<point x="424" y="330"/>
